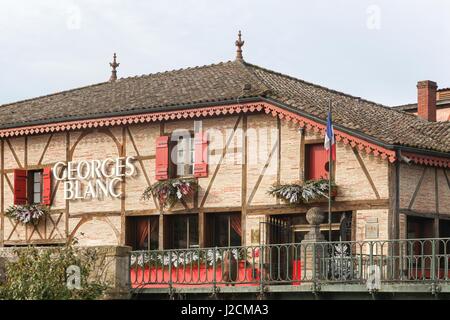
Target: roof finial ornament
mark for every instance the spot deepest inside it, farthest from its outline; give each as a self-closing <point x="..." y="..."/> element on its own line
<point x="239" y="45"/>
<point x="114" y="66"/>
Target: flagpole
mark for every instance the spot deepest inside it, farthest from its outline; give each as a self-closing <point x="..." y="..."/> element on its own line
<point x="330" y="170"/>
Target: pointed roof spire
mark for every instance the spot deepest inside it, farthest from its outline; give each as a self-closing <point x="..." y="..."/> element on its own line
<point x="114" y="66"/>
<point x="239" y="45"/>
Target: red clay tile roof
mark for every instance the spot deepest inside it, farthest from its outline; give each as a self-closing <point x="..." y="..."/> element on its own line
<point x="223" y="82"/>
<point x="359" y="115"/>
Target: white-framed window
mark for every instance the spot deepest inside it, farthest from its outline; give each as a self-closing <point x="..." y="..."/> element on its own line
<point x="35" y="186"/>
<point x="183" y="153"/>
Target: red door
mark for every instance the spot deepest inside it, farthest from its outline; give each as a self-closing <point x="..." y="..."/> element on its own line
<point x="316" y="162"/>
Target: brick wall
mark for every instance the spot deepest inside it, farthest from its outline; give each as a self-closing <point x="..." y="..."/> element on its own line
<point x="102" y="221"/>
<point x="419" y="186"/>
<point x="366" y="217"/>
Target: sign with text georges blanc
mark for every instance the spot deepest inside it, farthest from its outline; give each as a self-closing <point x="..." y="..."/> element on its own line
<point x="93" y="179"/>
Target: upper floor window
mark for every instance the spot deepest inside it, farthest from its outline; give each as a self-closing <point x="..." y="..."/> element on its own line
<point x="32" y="186"/>
<point x="182" y="155"/>
<point x="35" y="186"/>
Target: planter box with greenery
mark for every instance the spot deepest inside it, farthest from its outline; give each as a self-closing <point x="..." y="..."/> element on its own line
<point x="303" y="192"/>
<point x="29" y="214"/>
<point x="169" y="192"/>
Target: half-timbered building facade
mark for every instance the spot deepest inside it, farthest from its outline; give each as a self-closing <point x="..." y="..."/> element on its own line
<point x="89" y="153"/>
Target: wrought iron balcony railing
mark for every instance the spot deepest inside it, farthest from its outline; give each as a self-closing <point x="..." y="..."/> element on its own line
<point x="390" y="261"/>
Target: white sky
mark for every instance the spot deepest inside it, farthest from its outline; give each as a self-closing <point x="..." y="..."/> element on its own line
<point x="374" y="49"/>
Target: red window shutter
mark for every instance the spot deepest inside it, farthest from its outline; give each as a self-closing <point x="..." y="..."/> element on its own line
<point x="47" y="186"/>
<point x="201" y="155"/>
<point x="20" y="186"/>
<point x="162" y="158"/>
<point x="317" y="160"/>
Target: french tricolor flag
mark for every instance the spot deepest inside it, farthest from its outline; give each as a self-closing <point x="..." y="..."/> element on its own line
<point x="330" y="142"/>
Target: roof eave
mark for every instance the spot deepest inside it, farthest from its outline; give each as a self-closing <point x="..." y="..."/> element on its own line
<point x="422" y="151"/>
<point x="134" y="112"/>
<point x="358" y="134"/>
<point x="337" y="126"/>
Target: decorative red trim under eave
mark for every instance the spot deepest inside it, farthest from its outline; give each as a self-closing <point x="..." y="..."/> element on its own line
<point x="268" y="108"/>
<point x="132" y="119"/>
<point x="428" y="160"/>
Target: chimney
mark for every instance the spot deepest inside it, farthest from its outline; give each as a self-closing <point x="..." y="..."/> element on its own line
<point x="426" y="100"/>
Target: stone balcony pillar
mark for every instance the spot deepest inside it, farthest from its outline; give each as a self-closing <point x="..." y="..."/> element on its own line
<point x="117" y="271"/>
<point x="314" y="247"/>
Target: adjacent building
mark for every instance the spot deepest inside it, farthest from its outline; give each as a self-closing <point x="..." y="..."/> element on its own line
<point x="439" y="102"/>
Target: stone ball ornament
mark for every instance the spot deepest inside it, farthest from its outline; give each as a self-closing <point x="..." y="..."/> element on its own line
<point x="315" y="216"/>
